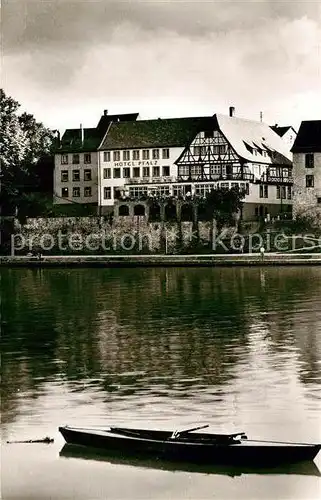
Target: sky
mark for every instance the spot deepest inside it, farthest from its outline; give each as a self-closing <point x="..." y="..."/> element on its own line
<point x="66" y="61"/>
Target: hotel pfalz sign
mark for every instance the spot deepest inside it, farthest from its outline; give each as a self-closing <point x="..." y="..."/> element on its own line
<point x="142" y="163"/>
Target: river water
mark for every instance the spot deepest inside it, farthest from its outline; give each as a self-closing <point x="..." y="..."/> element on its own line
<point x="168" y="348"/>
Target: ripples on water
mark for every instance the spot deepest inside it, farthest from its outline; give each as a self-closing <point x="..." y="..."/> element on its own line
<point x="238" y="348"/>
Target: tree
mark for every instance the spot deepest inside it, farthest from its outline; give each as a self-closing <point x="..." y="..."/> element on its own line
<point x="223" y="205"/>
<point x="24" y="144"/>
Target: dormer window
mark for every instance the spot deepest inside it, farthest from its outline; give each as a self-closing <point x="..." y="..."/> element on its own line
<point x="248" y="147"/>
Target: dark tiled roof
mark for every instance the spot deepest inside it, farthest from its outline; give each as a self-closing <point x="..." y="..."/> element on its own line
<point x="169" y="132"/>
<point x="71" y="139"/>
<point x="308" y="139"/>
<point x="281" y="130"/>
<point x="106" y="119"/>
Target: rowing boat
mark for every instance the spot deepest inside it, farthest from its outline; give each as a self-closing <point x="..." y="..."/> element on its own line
<point x="190" y="446"/>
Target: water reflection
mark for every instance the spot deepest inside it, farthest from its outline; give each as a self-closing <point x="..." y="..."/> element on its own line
<point x="159" y="332"/>
<point x="78" y="452"/>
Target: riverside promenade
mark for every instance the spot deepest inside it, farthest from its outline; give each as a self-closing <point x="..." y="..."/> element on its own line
<point x="199" y="260"/>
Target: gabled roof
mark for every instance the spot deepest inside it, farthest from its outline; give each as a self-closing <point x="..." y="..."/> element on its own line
<point x="248" y="138"/>
<point x="71" y="139"/>
<point x="308" y="139"/>
<point x="106" y="119"/>
<point x="281" y="131"/>
<point x="168" y="132"/>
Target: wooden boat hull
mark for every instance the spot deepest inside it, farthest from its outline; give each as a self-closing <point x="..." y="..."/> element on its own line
<point x="159" y="444"/>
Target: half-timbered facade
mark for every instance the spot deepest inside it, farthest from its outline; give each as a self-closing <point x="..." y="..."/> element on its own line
<point x="242" y="154"/>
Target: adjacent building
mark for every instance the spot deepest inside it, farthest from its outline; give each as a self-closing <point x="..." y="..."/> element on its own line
<point x="287" y="134"/>
<point x="307" y="167"/>
<point x="76" y="162"/>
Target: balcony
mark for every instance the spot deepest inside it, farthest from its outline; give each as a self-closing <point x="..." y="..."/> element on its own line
<point x="235" y="176"/>
<point x="276" y="179"/>
<point x="150" y="180"/>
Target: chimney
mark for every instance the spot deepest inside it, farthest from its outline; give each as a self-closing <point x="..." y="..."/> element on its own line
<point x="82" y="134"/>
<point x="105" y="112"/>
<point x="231" y="111"/>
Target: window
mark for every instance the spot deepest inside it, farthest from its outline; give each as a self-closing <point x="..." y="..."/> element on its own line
<point x="165" y="153"/>
<point x="145" y="171"/>
<point x="145" y="154"/>
<point x="203" y="189"/>
<point x="309" y="181"/>
<point x="87" y="191"/>
<point x="87" y="158"/>
<point x="219" y="149"/>
<point x="319" y="201"/>
<point x="106" y="155"/>
<point x="126" y="172"/>
<point x="76" y="192"/>
<point x="64" y="159"/>
<point x="137" y="192"/>
<point x="126" y="155"/>
<point x="155" y="154"/>
<point x="224" y="185"/>
<point x="165" y="171"/>
<point x="309" y="160"/>
<point x="136" y="154"/>
<point x="107" y="173"/>
<point x="76" y="175"/>
<point x="116" y="156"/>
<point x="196" y="171"/>
<point x="75" y="159"/>
<point x="160" y="191"/>
<point x="183" y="171"/>
<point x="289" y="192"/>
<point x="107" y="193"/>
<point x="283" y="192"/>
<point x="218" y="170"/>
<point x="264" y="191"/>
<point x="156" y="171"/>
<point x="200" y="150"/>
<point x="87" y="175"/>
<point x="116" y="173"/>
<point x="64" y="176"/>
<point x="136" y="172"/>
<point x="64" y="193"/>
<point x="179" y="191"/>
<point x="278" y="192"/>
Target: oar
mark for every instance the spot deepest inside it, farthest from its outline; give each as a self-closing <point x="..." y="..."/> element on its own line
<point x="179" y="433"/>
